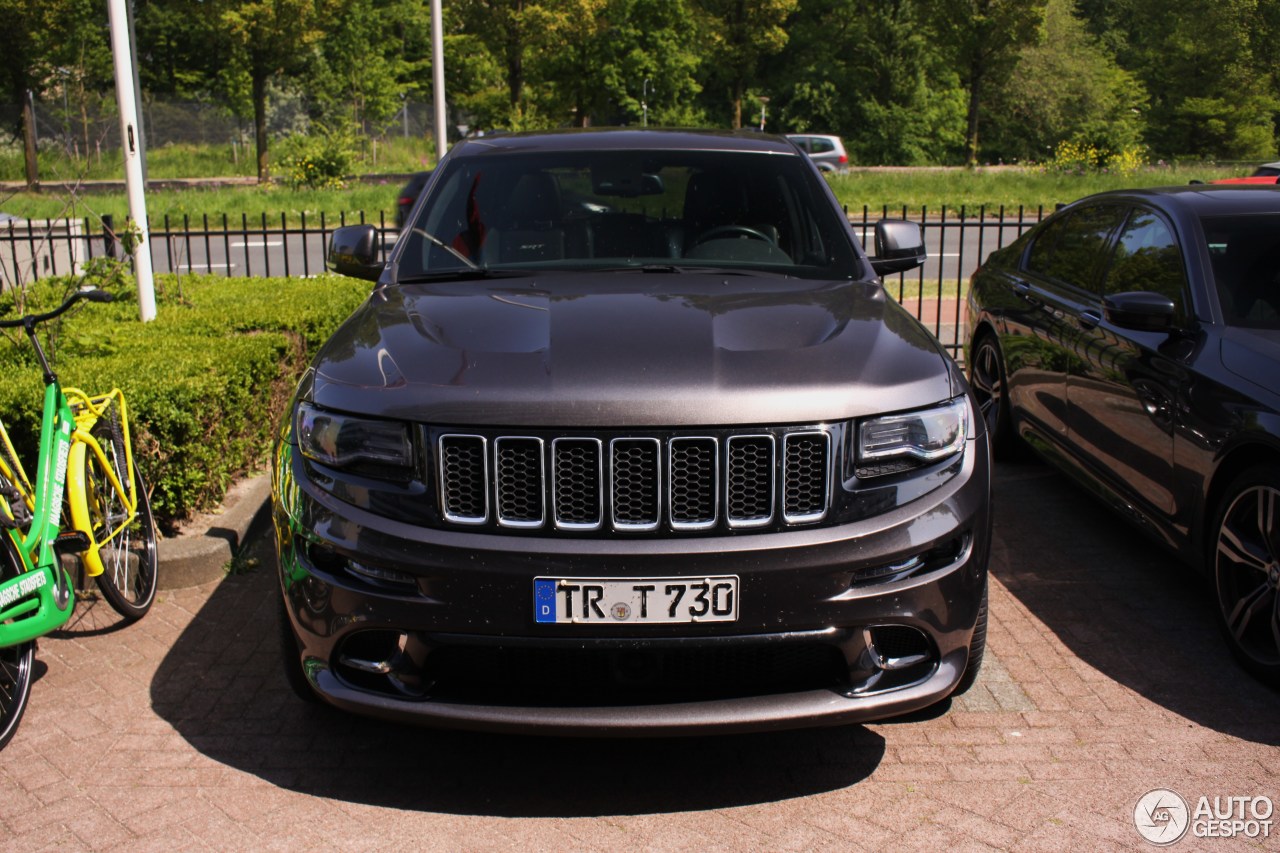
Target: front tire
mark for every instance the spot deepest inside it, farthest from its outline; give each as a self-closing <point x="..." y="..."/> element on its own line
<point x="15" y="661"/>
<point x="1246" y="570"/>
<point x="977" y="649"/>
<point x="989" y="381"/>
<point x="128" y="581"/>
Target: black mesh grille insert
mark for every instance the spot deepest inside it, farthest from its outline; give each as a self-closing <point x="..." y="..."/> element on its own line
<point x="519" y="480"/>
<point x="693" y="481"/>
<point x="576" y="677"/>
<point x="750" y="479"/>
<point x="462" y="478"/>
<point x="635" y="482"/>
<point x="577" y="481"/>
<point x="805" y="475"/>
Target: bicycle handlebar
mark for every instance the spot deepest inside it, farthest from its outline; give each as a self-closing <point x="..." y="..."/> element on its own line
<point x="93" y="295"/>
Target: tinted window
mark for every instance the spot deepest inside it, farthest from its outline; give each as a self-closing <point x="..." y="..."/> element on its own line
<point x="1147" y="258"/>
<point x="1067" y="250"/>
<point x="822" y="146"/>
<point x="1245" y="251"/>
<point x="592" y="209"/>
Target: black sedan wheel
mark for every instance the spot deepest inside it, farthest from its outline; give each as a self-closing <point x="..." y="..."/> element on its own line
<point x="987" y="376"/>
<point x="1247" y="570"/>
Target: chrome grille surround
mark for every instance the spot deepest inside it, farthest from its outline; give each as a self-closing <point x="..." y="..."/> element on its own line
<point x="617" y="481"/>
<point x="806" y="479"/>
<point x="463" y="458"/>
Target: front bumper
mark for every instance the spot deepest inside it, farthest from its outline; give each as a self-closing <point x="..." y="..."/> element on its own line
<point x="805" y="595"/>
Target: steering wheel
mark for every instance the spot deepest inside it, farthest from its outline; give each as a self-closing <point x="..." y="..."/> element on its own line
<point x="740" y="230"/>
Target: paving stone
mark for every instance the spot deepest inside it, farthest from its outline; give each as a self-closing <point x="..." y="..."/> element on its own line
<point x="1104" y="679"/>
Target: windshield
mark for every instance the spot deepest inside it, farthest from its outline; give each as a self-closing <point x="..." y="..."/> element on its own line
<point x="669" y="210"/>
<point x="1245" y="251"/>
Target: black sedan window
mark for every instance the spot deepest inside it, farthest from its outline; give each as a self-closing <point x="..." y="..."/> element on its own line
<point x="1069" y="247"/>
<point x="1147" y="258"/>
<point x="1245" y="251"/>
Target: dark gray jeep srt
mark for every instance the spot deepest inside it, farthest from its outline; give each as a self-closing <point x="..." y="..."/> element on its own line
<point x="629" y="439"/>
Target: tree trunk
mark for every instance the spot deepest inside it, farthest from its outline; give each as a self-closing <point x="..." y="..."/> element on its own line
<point x="260" y="126"/>
<point x="29" y="142"/>
<point x="738" y="86"/>
<point x="975" y="101"/>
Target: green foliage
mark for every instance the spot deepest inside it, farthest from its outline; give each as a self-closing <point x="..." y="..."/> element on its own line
<point x="320" y="160"/>
<point x="206" y="381"/>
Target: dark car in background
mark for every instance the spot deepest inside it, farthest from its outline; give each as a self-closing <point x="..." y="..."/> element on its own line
<point x="408" y="195"/>
<point x="1133" y="338"/>
<point x="628" y="438"/>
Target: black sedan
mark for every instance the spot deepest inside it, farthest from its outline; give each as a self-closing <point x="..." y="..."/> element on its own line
<point x="1133" y="338"/>
<point x="628" y="438"/>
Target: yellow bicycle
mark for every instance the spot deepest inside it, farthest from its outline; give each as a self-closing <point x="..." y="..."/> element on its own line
<point x="89" y="499"/>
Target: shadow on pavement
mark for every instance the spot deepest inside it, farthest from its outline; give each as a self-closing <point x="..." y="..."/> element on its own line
<point x="1121" y="604"/>
<point x="222" y="688"/>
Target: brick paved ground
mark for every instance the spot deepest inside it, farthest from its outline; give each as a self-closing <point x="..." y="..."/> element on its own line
<point x="1106" y="678"/>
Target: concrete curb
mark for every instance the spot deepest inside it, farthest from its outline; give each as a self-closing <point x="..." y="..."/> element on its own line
<point x="201" y="553"/>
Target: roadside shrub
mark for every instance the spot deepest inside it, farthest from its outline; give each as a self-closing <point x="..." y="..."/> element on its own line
<point x="320" y="160"/>
<point x="1082" y="158"/>
<point x="206" y="381"/>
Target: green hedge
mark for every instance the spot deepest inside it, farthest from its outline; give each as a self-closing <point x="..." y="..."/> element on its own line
<point x="206" y="381"/>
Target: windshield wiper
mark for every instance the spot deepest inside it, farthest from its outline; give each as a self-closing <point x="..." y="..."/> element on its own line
<point x="684" y="269"/>
<point x="469" y="274"/>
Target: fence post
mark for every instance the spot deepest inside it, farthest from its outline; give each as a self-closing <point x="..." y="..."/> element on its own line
<point x="110" y="242"/>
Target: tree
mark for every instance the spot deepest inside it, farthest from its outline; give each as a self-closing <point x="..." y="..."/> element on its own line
<point x="984" y="38"/>
<point x="738" y="35"/>
<point x="1067" y="87"/>
<point x="267" y="38"/>
<point x="1211" y="71"/>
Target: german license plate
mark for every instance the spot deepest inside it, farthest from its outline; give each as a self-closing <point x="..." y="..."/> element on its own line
<point x="635" y="600"/>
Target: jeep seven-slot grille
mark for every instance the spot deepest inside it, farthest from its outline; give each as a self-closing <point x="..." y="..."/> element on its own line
<point x="635" y="484"/>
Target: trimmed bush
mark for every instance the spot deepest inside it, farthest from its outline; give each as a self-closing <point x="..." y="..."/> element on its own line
<point x="206" y="382"/>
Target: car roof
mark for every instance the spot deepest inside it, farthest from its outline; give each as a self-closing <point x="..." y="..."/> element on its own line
<point x="629" y="139"/>
<point x="1200" y="199"/>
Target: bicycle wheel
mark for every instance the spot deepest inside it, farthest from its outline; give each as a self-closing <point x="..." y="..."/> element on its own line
<point x="128" y="580"/>
<point x="15" y="661"/>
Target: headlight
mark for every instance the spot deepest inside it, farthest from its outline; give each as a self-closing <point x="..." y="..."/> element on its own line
<point x="927" y="435"/>
<point x="339" y="440"/>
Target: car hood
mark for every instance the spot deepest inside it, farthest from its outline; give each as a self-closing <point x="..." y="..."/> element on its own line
<point x="630" y="349"/>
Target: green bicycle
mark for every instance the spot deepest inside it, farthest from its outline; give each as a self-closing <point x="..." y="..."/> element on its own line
<point x="85" y="474"/>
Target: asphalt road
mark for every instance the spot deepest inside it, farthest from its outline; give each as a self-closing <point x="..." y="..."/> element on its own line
<point x="955" y="250"/>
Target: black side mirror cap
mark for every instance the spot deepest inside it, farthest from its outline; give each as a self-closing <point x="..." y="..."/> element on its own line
<point x="899" y="246"/>
<point x="353" y="251"/>
<point x="1141" y="310"/>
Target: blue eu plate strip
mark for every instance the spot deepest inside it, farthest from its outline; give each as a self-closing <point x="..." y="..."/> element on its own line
<point x="544" y="600"/>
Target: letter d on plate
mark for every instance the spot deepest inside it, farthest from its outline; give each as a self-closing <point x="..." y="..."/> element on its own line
<point x="544" y="600"/>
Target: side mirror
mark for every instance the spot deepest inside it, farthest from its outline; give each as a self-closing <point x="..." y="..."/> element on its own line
<point x="353" y="251"/>
<point x="899" y="246"/>
<point x="1141" y="311"/>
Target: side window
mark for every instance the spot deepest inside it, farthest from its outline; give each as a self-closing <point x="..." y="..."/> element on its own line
<point x="822" y="146"/>
<point x="1068" y="250"/>
<point x="1147" y="258"/>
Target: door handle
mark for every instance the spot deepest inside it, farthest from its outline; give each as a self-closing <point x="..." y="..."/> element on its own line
<point x="1089" y="319"/>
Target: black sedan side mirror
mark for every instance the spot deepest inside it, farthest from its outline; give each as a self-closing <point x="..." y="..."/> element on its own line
<point x="899" y="246"/>
<point x="353" y="251"/>
<point x="1142" y="311"/>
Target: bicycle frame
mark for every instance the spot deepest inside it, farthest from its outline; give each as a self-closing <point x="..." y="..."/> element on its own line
<point x="39" y="599"/>
<point x="87" y="411"/>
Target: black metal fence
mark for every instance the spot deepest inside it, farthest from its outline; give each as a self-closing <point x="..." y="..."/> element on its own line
<point x="274" y="246"/>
